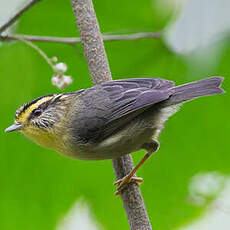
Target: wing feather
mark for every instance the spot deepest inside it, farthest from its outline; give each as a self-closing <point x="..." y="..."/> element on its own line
<point x="118" y="102"/>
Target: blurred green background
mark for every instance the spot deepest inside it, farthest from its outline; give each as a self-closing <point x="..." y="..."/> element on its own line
<point x="39" y="186"/>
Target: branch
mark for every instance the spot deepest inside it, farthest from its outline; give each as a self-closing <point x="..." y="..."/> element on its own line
<point x="74" y="40"/>
<point x="91" y="40"/>
<point x="17" y="15"/>
<point x="99" y="68"/>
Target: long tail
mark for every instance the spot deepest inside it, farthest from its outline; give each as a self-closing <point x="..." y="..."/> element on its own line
<point x="186" y="92"/>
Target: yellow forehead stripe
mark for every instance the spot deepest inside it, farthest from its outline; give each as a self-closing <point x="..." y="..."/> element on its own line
<point x="25" y="114"/>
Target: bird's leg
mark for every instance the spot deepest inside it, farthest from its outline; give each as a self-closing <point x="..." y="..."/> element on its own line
<point x="123" y="182"/>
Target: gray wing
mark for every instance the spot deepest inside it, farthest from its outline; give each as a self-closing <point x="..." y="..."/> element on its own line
<point x="113" y="104"/>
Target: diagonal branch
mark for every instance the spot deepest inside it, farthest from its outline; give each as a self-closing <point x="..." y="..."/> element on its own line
<point x="74" y="40"/>
<point x="17" y="15"/>
<point x="99" y="68"/>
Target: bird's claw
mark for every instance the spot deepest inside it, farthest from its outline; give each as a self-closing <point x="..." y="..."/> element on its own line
<point x="123" y="182"/>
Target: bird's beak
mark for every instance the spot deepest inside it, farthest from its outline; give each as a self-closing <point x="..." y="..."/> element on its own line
<point x="14" y="127"/>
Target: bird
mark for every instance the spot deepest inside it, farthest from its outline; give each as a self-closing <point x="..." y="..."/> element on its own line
<point x="110" y="119"/>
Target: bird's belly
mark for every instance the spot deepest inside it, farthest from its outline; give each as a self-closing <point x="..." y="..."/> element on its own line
<point x="127" y="140"/>
<point x="130" y="138"/>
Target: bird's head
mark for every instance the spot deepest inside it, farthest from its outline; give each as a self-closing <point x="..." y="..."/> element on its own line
<point x="39" y="119"/>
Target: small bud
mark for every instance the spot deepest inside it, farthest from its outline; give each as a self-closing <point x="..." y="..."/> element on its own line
<point x="67" y="79"/>
<point x="54" y="80"/>
<point x="54" y="59"/>
<point x="61" y="81"/>
<point x="60" y="67"/>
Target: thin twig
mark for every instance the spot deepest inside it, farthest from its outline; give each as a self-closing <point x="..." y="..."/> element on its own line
<point x="92" y="42"/>
<point x="74" y="40"/>
<point x="59" y="79"/>
<point x="17" y="15"/>
<point x="41" y="52"/>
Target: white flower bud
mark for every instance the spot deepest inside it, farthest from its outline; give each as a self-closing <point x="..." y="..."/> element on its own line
<point x="54" y="80"/>
<point x="54" y="59"/>
<point x="60" y="67"/>
<point x="61" y="81"/>
<point x="67" y="79"/>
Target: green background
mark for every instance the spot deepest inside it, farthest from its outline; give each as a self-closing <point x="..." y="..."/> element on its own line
<point x="39" y="186"/>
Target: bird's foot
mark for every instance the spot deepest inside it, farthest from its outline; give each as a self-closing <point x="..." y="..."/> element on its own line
<point x="123" y="182"/>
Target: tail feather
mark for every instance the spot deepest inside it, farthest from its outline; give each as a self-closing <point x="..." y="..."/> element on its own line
<point x="186" y="92"/>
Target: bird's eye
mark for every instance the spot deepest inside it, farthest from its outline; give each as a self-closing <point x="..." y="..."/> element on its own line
<point x="37" y="112"/>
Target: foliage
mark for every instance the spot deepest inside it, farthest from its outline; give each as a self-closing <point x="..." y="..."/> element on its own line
<point x="38" y="186"/>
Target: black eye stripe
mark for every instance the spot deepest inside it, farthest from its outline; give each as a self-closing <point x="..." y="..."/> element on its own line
<point x="37" y="112"/>
<point x="42" y="107"/>
<point x="52" y="100"/>
<point x="27" y="105"/>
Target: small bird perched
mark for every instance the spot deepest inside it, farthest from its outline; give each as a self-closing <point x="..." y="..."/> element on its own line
<point x="110" y="119"/>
